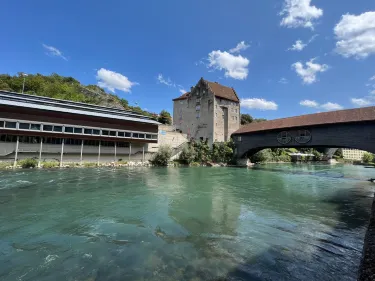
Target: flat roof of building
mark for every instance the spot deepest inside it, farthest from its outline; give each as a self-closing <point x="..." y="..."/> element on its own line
<point x="65" y="106"/>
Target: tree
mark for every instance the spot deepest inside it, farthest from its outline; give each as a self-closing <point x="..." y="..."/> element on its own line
<point x="339" y="154"/>
<point x="256" y="120"/>
<point x="222" y="152"/>
<point x="246" y="119"/>
<point x="188" y="155"/>
<point x="367" y="157"/>
<point x="67" y="88"/>
<point x="264" y="155"/>
<point x="165" y="117"/>
<point x="161" y="158"/>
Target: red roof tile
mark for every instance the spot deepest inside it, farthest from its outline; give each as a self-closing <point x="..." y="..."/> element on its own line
<point x="183" y="97"/>
<point x="219" y="90"/>
<point x="223" y="91"/>
<point x="332" y="117"/>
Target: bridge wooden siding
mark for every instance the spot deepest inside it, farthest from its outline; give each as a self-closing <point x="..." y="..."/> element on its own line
<point x="352" y="128"/>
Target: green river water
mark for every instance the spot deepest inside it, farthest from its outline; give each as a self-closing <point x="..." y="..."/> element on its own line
<point x="276" y="222"/>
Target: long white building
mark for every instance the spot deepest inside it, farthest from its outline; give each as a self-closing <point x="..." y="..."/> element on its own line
<point x="52" y="129"/>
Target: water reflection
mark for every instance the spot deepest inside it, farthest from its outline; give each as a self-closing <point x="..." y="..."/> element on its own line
<point x="183" y="224"/>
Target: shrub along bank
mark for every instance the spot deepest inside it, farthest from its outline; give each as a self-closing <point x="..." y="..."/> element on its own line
<point x="200" y="152"/>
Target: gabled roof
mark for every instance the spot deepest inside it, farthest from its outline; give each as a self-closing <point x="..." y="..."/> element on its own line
<point x="331" y="117"/>
<point x="183" y="97"/>
<point x="222" y="91"/>
<point x="217" y="89"/>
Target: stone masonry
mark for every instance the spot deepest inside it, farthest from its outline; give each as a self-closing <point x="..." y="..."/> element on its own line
<point x="210" y="111"/>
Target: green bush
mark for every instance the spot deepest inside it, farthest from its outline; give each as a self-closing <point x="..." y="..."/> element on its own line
<point x="222" y="152"/>
<point x="367" y="157"/>
<point x="3" y="165"/>
<point x="195" y="164"/>
<point x="90" y="164"/>
<point x="262" y="156"/>
<point x="28" y="163"/>
<point x="50" y="165"/>
<point x="187" y="155"/>
<point x="161" y="158"/>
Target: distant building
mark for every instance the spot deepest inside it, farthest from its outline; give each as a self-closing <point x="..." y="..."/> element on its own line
<point x="210" y="111"/>
<point x="352" y="154"/>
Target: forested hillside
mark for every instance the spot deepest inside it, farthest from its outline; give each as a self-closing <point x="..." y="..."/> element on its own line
<point x="67" y="88"/>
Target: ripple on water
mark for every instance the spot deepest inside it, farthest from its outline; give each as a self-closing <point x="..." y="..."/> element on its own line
<point x="182" y="224"/>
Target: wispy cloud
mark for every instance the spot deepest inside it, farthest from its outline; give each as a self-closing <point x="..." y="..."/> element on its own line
<point x="328" y="106"/>
<point x="53" y="52"/>
<point x="360" y="102"/>
<point x="168" y="82"/>
<point x="240" y="47"/>
<point x="299" y="45"/>
<point x="283" y="81"/>
<point x="164" y="81"/>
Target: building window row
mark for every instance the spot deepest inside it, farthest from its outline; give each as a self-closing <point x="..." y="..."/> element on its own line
<point x="67" y="141"/>
<point x="66" y="129"/>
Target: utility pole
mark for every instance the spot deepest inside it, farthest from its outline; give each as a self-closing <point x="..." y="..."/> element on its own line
<point x="24" y="80"/>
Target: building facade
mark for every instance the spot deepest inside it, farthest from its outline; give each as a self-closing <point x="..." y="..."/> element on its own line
<point x="353" y="154"/>
<point x="51" y="129"/>
<point x="210" y="111"/>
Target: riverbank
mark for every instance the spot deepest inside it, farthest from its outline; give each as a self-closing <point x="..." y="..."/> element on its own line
<point x="367" y="268"/>
<point x="52" y="165"/>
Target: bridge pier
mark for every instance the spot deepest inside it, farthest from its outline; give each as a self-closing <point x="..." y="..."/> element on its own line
<point x="244" y="162"/>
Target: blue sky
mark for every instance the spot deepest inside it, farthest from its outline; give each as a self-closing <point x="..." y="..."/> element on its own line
<point x="284" y="58"/>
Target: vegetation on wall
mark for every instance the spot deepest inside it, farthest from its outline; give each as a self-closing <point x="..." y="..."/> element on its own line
<point x="68" y="88"/>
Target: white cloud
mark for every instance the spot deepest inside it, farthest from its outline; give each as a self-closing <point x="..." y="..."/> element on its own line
<point x="170" y="83"/>
<point x="54" y="52"/>
<point x="360" y="102"/>
<point x="300" y="13"/>
<point x="308" y="73"/>
<point x="260" y="104"/>
<point x="331" y="106"/>
<point x="372" y="92"/>
<point x="240" y="47"/>
<point x="164" y="81"/>
<point x="283" y="81"/>
<point x="326" y="106"/>
<point x="372" y="78"/>
<point x="234" y="66"/>
<point x="356" y="35"/>
<point x="114" y="81"/>
<point x="309" y="103"/>
<point x="298" y="46"/>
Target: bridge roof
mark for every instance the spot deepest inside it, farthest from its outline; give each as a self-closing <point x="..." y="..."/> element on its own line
<point x="332" y="117"/>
